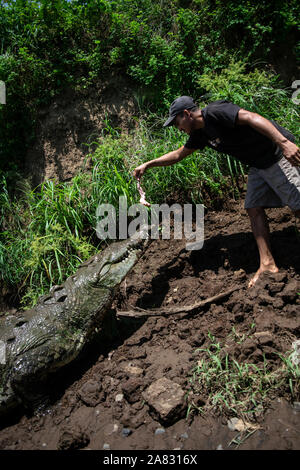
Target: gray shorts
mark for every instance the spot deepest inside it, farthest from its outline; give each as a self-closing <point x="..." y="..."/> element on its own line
<point x="276" y="186"/>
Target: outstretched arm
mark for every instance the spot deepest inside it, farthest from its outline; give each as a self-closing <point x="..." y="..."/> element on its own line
<point x="264" y="126"/>
<point x="166" y="160"/>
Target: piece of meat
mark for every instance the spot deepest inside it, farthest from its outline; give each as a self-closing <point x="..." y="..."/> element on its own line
<point x="142" y="194"/>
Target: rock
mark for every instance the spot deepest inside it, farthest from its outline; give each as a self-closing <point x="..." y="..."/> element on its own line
<point x="258" y="334"/>
<point x="166" y="399"/>
<point x="90" y="393"/>
<point x="236" y="424"/>
<point x="126" y="432"/>
<point x="106" y="446"/>
<point x="159" y="431"/>
<point x="72" y="439"/>
<point x="184" y="435"/>
<point x="119" y="397"/>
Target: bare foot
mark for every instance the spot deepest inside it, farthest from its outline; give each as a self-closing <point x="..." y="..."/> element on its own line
<point x="270" y="268"/>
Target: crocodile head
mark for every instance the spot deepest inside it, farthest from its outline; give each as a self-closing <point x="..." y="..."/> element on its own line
<point x="107" y="269"/>
<point x="114" y="263"/>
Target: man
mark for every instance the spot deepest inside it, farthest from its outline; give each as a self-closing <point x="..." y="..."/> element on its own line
<point x="269" y="149"/>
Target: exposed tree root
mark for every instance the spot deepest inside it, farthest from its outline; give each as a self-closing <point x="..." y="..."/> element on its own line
<point x="164" y="311"/>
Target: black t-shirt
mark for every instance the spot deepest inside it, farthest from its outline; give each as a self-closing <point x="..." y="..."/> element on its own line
<point x="242" y="142"/>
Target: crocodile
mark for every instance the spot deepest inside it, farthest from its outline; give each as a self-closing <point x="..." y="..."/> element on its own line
<point x="55" y="331"/>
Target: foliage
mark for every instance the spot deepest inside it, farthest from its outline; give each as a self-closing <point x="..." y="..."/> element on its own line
<point x="164" y="45"/>
<point x="43" y="239"/>
<point x="47" y="232"/>
<point x="258" y="91"/>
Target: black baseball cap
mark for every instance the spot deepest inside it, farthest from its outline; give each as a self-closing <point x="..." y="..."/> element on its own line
<point x="179" y="105"/>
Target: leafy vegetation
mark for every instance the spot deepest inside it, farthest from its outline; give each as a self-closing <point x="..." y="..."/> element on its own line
<point x="238" y="388"/>
<point x="163" y="45"/>
<point x="168" y="48"/>
<point x="48" y="231"/>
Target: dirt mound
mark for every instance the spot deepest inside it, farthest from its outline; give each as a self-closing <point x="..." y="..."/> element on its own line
<point x="74" y="119"/>
<point x="131" y="396"/>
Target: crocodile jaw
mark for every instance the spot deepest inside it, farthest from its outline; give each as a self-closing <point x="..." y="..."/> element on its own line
<point x="124" y="256"/>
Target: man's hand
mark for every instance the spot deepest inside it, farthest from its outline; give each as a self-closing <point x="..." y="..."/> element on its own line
<point x="291" y="153"/>
<point x="139" y="171"/>
<point x="165" y="160"/>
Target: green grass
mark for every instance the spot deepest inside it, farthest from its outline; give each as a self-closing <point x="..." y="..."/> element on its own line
<point x="48" y="231"/>
<point x="236" y="388"/>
